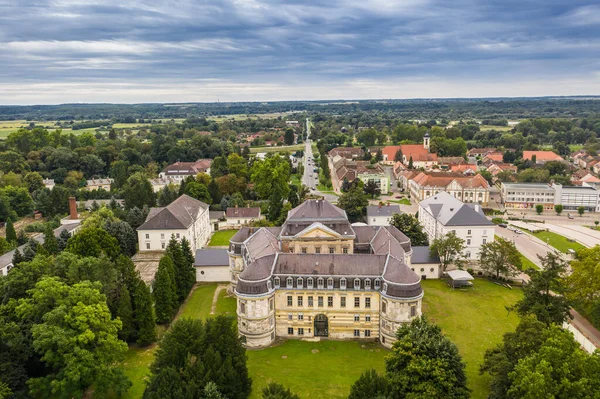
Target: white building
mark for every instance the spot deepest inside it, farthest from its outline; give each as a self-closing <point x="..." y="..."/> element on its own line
<point x="160" y="183"/>
<point x="181" y="170"/>
<point x="212" y="265"/>
<point x="49" y="183"/>
<point x="184" y="217"/>
<point x="528" y="195"/>
<point x="572" y="197"/>
<point x="443" y="213"/>
<point x="381" y="215"/>
<point x="238" y="217"/>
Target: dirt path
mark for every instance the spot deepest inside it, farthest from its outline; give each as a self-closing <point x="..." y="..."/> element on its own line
<point x="220" y="288"/>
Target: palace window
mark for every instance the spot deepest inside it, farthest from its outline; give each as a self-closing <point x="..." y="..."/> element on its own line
<point x="300" y="331"/>
<point x="300" y="300"/>
<point x="291" y="250"/>
<point x="276" y="280"/>
<point x="368" y="317"/>
<point x="300" y="316"/>
<point x="367" y="333"/>
<point x="356" y="317"/>
<point x="309" y="282"/>
<point x="368" y="284"/>
<point x="303" y="250"/>
<point x="384" y="288"/>
<point x="331" y="250"/>
<point x="147" y="245"/>
<point x="484" y="241"/>
<point x="289" y="282"/>
<point x="357" y="284"/>
<point x="162" y="236"/>
<point x="468" y="241"/>
<point x="242" y="308"/>
<point x="290" y="317"/>
<point x="330" y="283"/>
<point x="147" y="236"/>
<point x="310" y="302"/>
<point x="343" y="302"/>
<point x="469" y="232"/>
<point x="367" y="302"/>
<point x="345" y="250"/>
<point x="413" y="311"/>
<point x="320" y="283"/>
<point x="299" y="282"/>
<point x="290" y="331"/>
<point x="383" y="306"/>
<point x="290" y="301"/>
<point x="317" y="250"/>
<point x="377" y="284"/>
<point x="162" y="244"/>
<point x="269" y="285"/>
<point x="343" y="283"/>
<point x="320" y="301"/>
<point x="271" y="304"/>
<point x="357" y="302"/>
<point x="356" y="333"/>
<point x="329" y="301"/>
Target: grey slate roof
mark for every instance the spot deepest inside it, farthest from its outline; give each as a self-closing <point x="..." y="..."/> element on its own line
<point x="211" y="257"/>
<point x="385" y="210"/>
<point x="178" y="215"/>
<point x="243" y="212"/>
<point x="421" y="255"/>
<point x="216" y="215"/>
<point x="450" y="211"/>
<point x="315" y="210"/>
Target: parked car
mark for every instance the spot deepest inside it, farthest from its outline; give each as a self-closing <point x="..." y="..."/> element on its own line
<point x="570" y="216"/>
<point x="502" y="225"/>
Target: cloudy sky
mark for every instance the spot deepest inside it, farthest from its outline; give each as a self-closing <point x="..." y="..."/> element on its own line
<point x="121" y="51"/>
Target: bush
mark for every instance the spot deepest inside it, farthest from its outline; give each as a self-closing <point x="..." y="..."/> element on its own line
<point x="499" y="220"/>
<point x="470" y="271"/>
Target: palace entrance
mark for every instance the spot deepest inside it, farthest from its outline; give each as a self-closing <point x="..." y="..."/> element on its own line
<point x="321" y="326"/>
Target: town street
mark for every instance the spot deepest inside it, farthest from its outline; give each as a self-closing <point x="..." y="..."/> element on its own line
<point x="527" y="244"/>
<point x="310" y="178"/>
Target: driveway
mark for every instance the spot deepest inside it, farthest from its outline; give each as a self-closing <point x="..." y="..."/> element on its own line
<point x="527" y="244"/>
<point x="581" y="234"/>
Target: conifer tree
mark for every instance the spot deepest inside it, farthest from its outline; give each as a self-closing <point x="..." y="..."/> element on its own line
<point x="62" y="240"/>
<point x="50" y="241"/>
<point x="17" y="257"/>
<point x="189" y="272"/>
<point x="165" y="291"/>
<point x="30" y="250"/>
<point x="11" y="234"/>
<point x="182" y="271"/>
<point x="143" y="314"/>
<point x="125" y="313"/>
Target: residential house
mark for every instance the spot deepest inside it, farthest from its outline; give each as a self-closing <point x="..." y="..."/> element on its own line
<point x="447" y="162"/>
<point x="541" y="157"/>
<point x="362" y="170"/>
<point x="443" y="213"/>
<point x="465" y="188"/>
<point x="160" y="183"/>
<point x="496" y="168"/>
<point x="465" y="169"/>
<point x="185" y="217"/>
<point x="217" y="219"/>
<point x="97" y="184"/>
<point x="240" y="216"/>
<point x="381" y="215"/>
<point x="181" y="170"/>
<point x="493" y="157"/>
<point x="420" y="155"/>
<point x="347" y="152"/>
<point x="480" y="152"/>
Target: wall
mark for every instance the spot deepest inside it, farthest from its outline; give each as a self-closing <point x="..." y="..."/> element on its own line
<point x="427" y="270"/>
<point x="159" y="237"/>
<point x="585" y="343"/>
<point x="379" y="221"/>
<point x="213" y="273"/>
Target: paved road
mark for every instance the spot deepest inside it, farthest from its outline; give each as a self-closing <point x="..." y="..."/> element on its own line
<point x="527" y="244"/>
<point x="581" y="234"/>
<point x="550" y="217"/>
<point x="310" y="178"/>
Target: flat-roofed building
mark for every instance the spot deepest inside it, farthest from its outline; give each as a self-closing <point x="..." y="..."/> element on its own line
<point x="527" y="195"/>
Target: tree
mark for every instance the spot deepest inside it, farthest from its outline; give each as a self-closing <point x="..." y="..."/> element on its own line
<point x="219" y="167"/>
<point x="398" y="157"/>
<point x="17" y="257"/>
<point x="370" y="385"/>
<point x="185" y="274"/>
<point x="371" y="189"/>
<point x="293" y="196"/>
<point x="544" y="295"/>
<point x="411" y="228"/>
<point x="143" y="314"/>
<point x="449" y="248"/>
<point x="11" y="234"/>
<point x="138" y="192"/>
<point x="33" y="181"/>
<point x="50" y="241"/>
<point x="277" y="391"/>
<point x="288" y="137"/>
<point x="581" y="210"/>
<point x="124" y="234"/>
<point x="271" y="175"/>
<point x="63" y="238"/>
<point x="539" y="208"/>
<point x="192" y="353"/>
<point x="5" y="246"/>
<point x="355" y="203"/>
<point x="73" y="332"/>
<point x="136" y="217"/>
<point x="198" y="191"/>
<point x="125" y="314"/>
<point x="424" y="363"/>
<point x="558" y="209"/>
<point x="500" y="257"/>
<point x="165" y="291"/>
<point x="93" y="242"/>
<point x="168" y="194"/>
<point x="582" y="285"/>
<point x="410" y="163"/>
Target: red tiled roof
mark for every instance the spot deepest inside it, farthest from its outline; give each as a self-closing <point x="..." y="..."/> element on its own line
<point x="542" y="155"/>
<point x="437" y="179"/>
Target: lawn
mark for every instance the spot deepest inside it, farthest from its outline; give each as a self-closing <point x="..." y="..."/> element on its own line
<point x="403" y="201"/>
<point x="226" y="305"/>
<point x="483" y="128"/>
<point x="295" y="180"/>
<point x="325" y="369"/>
<point x="288" y="148"/>
<point x="527" y="264"/>
<point x="199" y="302"/>
<point x="221" y="238"/>
<point x="557" y="241"/>
<point x="475" y="320"/>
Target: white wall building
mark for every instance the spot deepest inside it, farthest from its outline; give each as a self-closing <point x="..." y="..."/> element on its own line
<point x="443" y="213"/>
<point x="184" y="217"/>
<point x="528" y="195"/>
<point x="238" y="217"/>
<point x="381" y="215"/>
<point x="212" y="265"/>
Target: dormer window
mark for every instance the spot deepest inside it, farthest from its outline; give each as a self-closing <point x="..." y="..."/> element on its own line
<point x="343" y="283"/>
<point x="357" y="284"/>
<point x="377" y="284"/>
<point x="289" y="282"/>
<point x="299" y="282"/>
<point x="310" y="282"/>
<point x="368" y="284"/>
<point x="385" y="287"/>
<point x="269" y="285"/>
<point x="277" y="282"/>
<point x="330" y="283"/>
<point x="320" y="283"/>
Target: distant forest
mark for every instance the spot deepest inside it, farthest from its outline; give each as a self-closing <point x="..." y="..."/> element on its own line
<point x="449" y="109"/>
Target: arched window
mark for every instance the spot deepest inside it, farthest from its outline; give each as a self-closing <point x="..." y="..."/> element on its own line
<point x="299" y="282"/>
<point x="368" y="284"/>
<point x="343" y="283"/>
<point x="269" y="285"/>
<point x="320" y="283"/>
<point x="377" y="284"/>
<point x="276" y="280"/>
<point x="330" y="283"/>
<point x="289" y="282"/>
<point x="309" y="282"/>
<point x="357" y="284"/>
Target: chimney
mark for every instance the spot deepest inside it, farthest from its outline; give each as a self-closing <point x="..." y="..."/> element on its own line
<point x="236" y="206"/>
<point x="72" y="208"/>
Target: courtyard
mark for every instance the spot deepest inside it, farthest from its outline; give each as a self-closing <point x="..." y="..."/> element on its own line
<point x="220" y="238"/>
<point x="474" y="319"/>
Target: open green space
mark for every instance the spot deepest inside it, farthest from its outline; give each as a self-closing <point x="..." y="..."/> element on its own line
<point x="527" y="264"/>
<point x="325" y="369"/>
<point x="557" y="241"/>
<point x="295" y="180"/>
<point x="288" y="148"/>
<point x="474" y="319"/>
<point x="403" y="201"/>
<point x="575" y="147"/>
<point x="199" y="302"/>
<point x="226" y="304"/>
<point x="492" y="127"/>
<point x="221" y="238"/>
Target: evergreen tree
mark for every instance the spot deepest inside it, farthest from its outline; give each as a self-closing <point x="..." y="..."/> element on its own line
<point x="135" y="217"/>
<point x="17" y="257"/>
<point x="62" y="240"/>
<point x="214" y="192"/>
<point x="30" y="250"/>
<point x="143" y="314"/>
<point x="370" y="385"/>
<point x="188" y="254"/>
<point x="124" y="234"/>
<point x="277" y="391"/>
<point x="50" y="241"/>
<point x="165" y="291"/>
<point x="125" y="314"/>
<point x="21" y="238"/>
<point x="184" y="274"/>
<point x="410" y="163"/>
<point x="11" y="234"/>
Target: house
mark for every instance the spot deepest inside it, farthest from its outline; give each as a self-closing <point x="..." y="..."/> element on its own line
<point x="185" y="217"/>
<point x="450" y="161"/>
<point x="541" y="157"/>
<point x="443" y="213"/>
<point x="381" y="215"/>
<point x="493" y="157"/>
<point x="160" y="183"/>
<point x="317" y="276"/>
<point x="465" y="188"/>
<point x="424" y="263"/>
<point x="404" y="178"/>
<point x="217" y="219"/>
<point x="420" y="155"/>
<point x="181" y="170"/>
<point x="496" y="168"/>
<point x="347" y="152"/>
<point x="480" y="152"/>
<point x="397" y="169"/>
<point x="362" y="170"/>
<point x="97" y="184"/>
<point x="49" y="183"/>
<point x="465" y="169"/>
<point x="212" y="265"/>
<point x="239" y="216"/>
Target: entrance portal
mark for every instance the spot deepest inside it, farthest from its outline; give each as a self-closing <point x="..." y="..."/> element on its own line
<point x="321" y="326"/>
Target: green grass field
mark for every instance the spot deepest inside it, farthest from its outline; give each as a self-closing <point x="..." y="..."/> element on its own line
<point x="475" y="320"/>
<point x="295" y="180"/>
<point x="288" y="148"/>
<point x="557" y="241"/>
<point x="483" y="128"/>
<point x="403" y="201"/>
<point x="226" y="305"/>
<point x="527" y="264"/>
<point x="221" y="238"/>
<point x="199" y="302"/>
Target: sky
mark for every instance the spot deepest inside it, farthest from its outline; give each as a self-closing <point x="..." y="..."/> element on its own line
<point x="121" y="51"/>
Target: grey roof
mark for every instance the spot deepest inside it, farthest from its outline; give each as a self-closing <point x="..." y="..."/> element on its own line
<point x="385" y="210"/>
<point x="421" y="255"/>
<point x="178" y="215"/>
<point x="216" y="215"/>
<point x="450" y="211"/>
<point x="235" y="212"/>
<point x="211" y="257"/>
<point x="535" y="186"/>
<point x="316" y="210"/>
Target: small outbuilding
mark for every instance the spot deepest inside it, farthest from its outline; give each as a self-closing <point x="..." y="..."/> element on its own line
<point x="459" y="279"/>
<point x="212" y="265"/>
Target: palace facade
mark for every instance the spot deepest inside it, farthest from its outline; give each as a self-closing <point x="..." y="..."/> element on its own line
<point x="319" y="276"/>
